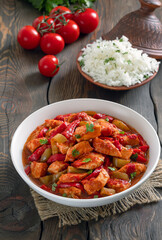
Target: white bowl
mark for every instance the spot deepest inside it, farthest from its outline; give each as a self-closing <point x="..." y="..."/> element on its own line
<point x="76" y="105"/>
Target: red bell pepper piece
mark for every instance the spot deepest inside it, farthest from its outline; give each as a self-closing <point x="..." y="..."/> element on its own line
<point x="94" y="174"/>
<point x="137" y="157"/>
<point x="44" y="187"/>
<point x="117" y="145"/>
<point x="42" y="132"/>
<point x="56" y="157"/>
<point x="144" y="148"/>
<point x="27" y="170"/>
<point x="38" y="153"/>
<point x="103" y="116"/>
<point x="59" y="129"/>
<point x="131" y="168"/>
<point x="106" y="132"/>
<point x="72" y="184"/>
<point x="142" y="142"/>
<point x="107" y="163"/>
<point x="68" y="132"/>
<point x="138" y="151"/>
<point x="61" y="117"/>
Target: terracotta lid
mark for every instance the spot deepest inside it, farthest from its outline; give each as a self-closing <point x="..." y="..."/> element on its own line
<point x="142" y="27"/>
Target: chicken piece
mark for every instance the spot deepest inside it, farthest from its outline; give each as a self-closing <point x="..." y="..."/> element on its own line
<point x="63" y="147"/>
<point x="133" y="167"/>
<point x="106" y="147"/>
<point x="126" y="153"/>
<point x="131" y="139"/>
<point x="118" y="185"/>
<point x="72" y="177"/>
<point x="95" y="184"/>
<point x="57" y="166"/>
<point x="38" y="169"/>
<point x="89" y="161"/>
<point x="77" y="150"/>
<point x="35" y="143"/>
<point x="52" y="123"/>
<point x="70" y="192"/>
<point x="88" y="131"/>
<point x="107" y="129"/>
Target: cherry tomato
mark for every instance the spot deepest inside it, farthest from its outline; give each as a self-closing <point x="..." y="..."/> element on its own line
<point x="48" y="65"/>
<point x="87" y="20"/>
<point x="28" y="37"/>
<point x="41" y="23"/>
<point x="52" y="43"/>
<point x="60" y="10"/>
<point x="70" y="32"/>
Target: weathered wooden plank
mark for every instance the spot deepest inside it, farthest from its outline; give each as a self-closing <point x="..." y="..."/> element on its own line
<point x="156" y="93"/>
<point x="142" y="223"/>
<point x="22" y="91"/>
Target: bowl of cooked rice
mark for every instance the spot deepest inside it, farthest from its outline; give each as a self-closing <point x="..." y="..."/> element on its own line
<point x="116" y="65"/>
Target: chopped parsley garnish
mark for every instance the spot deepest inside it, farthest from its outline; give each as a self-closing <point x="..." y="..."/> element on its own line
<point x="49" y="130"/>
<point x="121" y="40"/>
<point x="54" y="185"/>
<point x="75" y="153"/>
<point x="134" y="156"/>
<point x="125" y="53"/>
<point x="102" y="159"/>
<point x="89" y="127"/>
<point x="132" y="175"/>
<point x="77" y="136"/>
<point x="43" y="141"/>
<point x="86" y="160"/>
<point x="114" y="44"/>
<point x="129" y="62"/>
<point x="111" y="168"/>
<point x="122" y="132"/>
<point x="95" y="196"/>
<point x="106" y="119"/>
<point x="146" y="76"/>
<point x="82" y="64"/>
<point x="64" y="195"/>
<point x="90" y="171"/>
<point x="98" y="46"/>
<point x="117" y="51"/>
<point x="109" y="59"/>
<point x="83" y="55"/>
<point x="106" y="71"/>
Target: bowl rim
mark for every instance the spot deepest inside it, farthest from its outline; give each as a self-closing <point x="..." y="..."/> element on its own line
<point x="80" y="202"/>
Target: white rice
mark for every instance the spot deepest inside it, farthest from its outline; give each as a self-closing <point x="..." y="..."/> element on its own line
<point x="116" y="63"/>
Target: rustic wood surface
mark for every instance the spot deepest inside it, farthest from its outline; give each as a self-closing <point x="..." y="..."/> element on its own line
<point x="23" y="90"/>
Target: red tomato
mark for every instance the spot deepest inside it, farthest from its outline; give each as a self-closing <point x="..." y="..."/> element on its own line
<point x="87" y="20"/>
<point x="28" y="37"/>
<point x="48" y="65"/>
<point x="42" y="23"/>
<point x="52" y="43"/>
<point x="70" y="32"/>
<point x="60" y="10"/>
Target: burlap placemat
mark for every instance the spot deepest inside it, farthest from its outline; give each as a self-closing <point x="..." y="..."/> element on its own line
<point x="73" y="215"/>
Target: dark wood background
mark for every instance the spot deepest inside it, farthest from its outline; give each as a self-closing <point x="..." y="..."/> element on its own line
<point x="23" y="90"/>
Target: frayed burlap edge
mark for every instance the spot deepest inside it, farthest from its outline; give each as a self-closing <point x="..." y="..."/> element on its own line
<point x="73" y="215"/>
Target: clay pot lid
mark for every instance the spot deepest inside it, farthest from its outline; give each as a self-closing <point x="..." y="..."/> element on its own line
<point x="142" y="28"/>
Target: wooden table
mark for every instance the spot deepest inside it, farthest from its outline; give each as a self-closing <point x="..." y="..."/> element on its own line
<point x="23" y="90"/>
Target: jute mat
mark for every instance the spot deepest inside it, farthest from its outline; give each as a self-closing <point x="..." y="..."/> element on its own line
<point x="73" y="215"/>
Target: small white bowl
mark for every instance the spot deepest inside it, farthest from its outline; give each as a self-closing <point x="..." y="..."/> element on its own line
<point x="76" y="105"/>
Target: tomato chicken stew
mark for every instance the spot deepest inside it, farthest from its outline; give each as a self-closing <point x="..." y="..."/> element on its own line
<point x="85" y="155"/>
